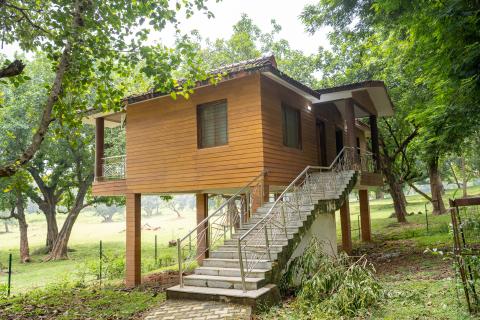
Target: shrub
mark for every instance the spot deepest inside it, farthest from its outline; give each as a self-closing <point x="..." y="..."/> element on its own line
<point x="332" y="286"/>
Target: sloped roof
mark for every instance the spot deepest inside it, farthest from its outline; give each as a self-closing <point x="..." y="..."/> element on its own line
<point x="231" y="71"/>
<point x="268" y="66"/>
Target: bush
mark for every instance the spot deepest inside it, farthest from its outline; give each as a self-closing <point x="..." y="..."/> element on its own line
<point x="113" y="267"/>
<point x="328" y="286"/>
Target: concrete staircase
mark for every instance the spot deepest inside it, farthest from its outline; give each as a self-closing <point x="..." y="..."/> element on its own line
<point x="219" y="276"/>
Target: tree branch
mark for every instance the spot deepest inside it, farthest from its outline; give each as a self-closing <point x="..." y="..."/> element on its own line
<point x="37" y="139"/>
<point x="13" y="69"/>
<point x="420" y="192"/>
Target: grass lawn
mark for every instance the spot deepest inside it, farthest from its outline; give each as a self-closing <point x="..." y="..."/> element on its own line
<point x="84" y="243"/>
<point x="66" y="301"/>
<point x="418" y="285"/>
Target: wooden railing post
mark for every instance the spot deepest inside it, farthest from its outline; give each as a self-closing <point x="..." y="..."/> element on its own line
<point x="99" y="146"/>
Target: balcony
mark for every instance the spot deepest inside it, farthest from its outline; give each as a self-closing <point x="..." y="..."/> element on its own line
<point x="113" y="168"/>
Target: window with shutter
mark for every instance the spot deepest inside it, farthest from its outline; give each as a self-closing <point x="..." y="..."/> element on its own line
<point x="212" y="124"/>
<point x="291" y="127"/>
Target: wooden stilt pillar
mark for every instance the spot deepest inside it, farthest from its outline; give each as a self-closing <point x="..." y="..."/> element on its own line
<point x="375" y="145"/>
<point x="202" y="231"/>
<point x="345" y="223"/>
<point x="351" y="139"/>
<point x="133" y="240"/>
<point x="365" y="215"/>
<point x="99" y="147"/>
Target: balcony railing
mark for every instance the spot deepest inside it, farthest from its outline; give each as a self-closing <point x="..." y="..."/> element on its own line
<point x="114" y="168"/>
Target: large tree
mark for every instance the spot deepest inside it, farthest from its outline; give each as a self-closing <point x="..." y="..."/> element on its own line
<point x="89" y="43"/>
<point x="431" y="47"/>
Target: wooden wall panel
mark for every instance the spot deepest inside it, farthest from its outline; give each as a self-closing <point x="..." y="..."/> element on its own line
<point x="162" y="141"/>
<point x="286" y="163"/>
<point x="109" y="188"/>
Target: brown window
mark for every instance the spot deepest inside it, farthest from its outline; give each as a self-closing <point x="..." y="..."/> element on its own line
<point x="291" y="127"/>
<point x="212" y="124"/>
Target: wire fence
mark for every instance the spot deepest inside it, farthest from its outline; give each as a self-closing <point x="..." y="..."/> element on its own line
<point x="5" y="288"/>
<point x="100" y="268"/>
<point x="465" y="216"/>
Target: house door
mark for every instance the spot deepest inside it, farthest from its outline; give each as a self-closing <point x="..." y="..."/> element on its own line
<point x="339" y="140"/>
<point x="321" y="144"/>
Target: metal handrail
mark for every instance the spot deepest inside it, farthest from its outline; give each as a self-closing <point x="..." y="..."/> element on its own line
<point x="215" y="221"/>
<point x="341" y="161"/>
<point x="242" y="190"/>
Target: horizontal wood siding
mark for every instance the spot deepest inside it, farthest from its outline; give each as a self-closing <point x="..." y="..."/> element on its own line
<point x="109" y="188"/>
<point x="162" y="150"/>
<point x="286" y="163"/>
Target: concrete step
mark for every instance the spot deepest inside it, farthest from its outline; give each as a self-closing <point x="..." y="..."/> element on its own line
<point x="250" y="254"/>
<point x="231" y="272"/>
<point x="264" y="296"/>
<point x="294" y="216"/>
<point x="282" y="242"/>
<point x="290" y="224"/>
<point x="305" y="208"/>
<point x="234" y="263"/>
<point x="290" y="229"/>
<point x="199" y="280"/>
<point x="273" y="248"/>
<point x="260" y="233"/>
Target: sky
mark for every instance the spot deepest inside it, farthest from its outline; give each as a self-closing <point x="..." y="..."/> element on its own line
<point x="228" y="12"/>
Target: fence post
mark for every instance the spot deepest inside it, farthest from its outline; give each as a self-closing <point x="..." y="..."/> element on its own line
<point x="156" y="251"/>
<point x="426" y="217"/>
<point x="9" y="274"/>
<point x="100" y="268"/>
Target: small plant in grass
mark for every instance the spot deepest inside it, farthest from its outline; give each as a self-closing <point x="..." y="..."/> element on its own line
<point x="3" y="291"/>
<point x="332" y="286"/>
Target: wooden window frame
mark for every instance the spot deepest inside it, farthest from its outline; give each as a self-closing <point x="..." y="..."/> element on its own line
<point x="299" y="145"/>
<point x="199" y="123"/>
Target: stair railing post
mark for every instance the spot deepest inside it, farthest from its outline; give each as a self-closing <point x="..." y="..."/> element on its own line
<point x="297" y="202"/>
<point x="248" y="210"/>
<point x="242" y="208"/>
<point x="240" y="262"/>
<point x="267" y="244"/>
<point x="180" y="273"/>
<point x="284" y="220"/>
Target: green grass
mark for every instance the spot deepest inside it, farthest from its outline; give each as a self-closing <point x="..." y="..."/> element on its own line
<point x="417" y="285"/>
<point x="75" y="301"/>
<point x="84" y="244"/>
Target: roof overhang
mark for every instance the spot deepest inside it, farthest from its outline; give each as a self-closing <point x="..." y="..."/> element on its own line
<point x="370" y="97"/>
<point x="292" y="84"/>
<point x="112" y="119"/>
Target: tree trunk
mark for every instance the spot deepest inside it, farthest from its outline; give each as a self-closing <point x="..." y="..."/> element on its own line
<point x="23" y="226"/>
<point x="379" y="194"/>
<point x="60" y="247"/>
<point x="9" y="169"/>
<point x="436" y="187"/>
<point x="395" y="190"/>
<point x="52" y="226"/>
<point x="6" y="227"/>
<point x="24" y="247"/>
<point x="398" y="197"/>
